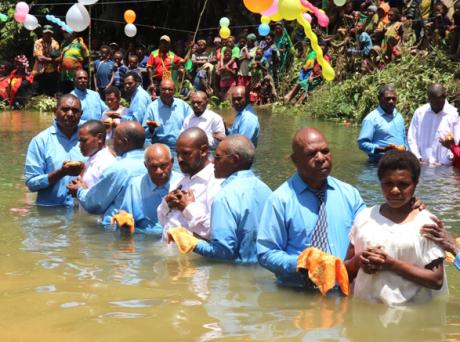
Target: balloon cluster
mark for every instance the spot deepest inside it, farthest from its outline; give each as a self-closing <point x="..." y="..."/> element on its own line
<point x="130" y="18"/>
<point x="59" y="22"/>
<point x="224" y="31"/>
<point x="300" y="10"/>
<point x="21" y="15"/>
<point x="77" y="17"/>
<point x="264" y="27"/>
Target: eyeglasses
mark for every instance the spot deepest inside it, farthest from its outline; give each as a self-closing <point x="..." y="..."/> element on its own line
<point x="74" y="110"/>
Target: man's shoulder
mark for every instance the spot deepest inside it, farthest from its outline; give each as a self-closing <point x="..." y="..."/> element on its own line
<point x="44" y="135"/>
<point x="348" y="190"/>
<point x="420" y="111"/>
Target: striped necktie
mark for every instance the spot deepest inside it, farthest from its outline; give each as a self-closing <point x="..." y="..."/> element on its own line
<point x="319" y="237"/>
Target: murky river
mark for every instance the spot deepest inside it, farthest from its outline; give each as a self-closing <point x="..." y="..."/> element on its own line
<point x="63" y="278"/>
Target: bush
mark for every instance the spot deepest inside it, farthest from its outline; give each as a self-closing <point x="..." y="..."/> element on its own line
<point x="42" y="103"/>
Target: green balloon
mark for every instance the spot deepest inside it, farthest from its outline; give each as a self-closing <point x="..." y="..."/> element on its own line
<point x="3" y="17"/>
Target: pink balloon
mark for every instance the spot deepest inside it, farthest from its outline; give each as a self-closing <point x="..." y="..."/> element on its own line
<point x="323" y="19"/>
<point x="20" y="17"/>
<point x="22" y="7"/>
<point x="272" y="10"/>
<point x="307" y="17"/>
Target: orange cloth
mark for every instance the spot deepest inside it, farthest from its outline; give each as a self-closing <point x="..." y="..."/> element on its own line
<point x="183" y="238"/>
<point x="324" y="270"/>
<point x="449" y="257"/>
<point x="124" y="219"/>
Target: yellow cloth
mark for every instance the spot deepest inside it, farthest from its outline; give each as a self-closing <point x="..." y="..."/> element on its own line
<point x="183" y="238"/>
<point x="324" y="270"/>
<point x="124" y="219"/>
<point x="449" y="257"/>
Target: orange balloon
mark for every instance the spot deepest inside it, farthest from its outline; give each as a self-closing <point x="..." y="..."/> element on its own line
<point x="130" y="16"/>
<point x="258" y="6"/>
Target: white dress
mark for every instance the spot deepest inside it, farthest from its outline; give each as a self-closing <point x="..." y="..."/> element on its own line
<point x="400" y="241"/>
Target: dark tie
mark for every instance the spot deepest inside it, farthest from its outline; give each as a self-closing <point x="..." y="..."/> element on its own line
<point x="319" y="237"/>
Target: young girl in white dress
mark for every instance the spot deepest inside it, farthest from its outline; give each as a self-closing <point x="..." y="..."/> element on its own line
<point x="388" y="258"/>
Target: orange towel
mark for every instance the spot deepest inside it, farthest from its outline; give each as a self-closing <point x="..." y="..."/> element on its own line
<point x="124" y="219"/>
<point x="183" y="238"/>
<point x="324" y="270"/>
<point x="449" y="257"/>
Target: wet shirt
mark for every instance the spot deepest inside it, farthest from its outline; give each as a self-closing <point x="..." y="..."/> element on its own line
<point x="47" y="152"/>
<point x="140" y="100"/>
<point x="142" y="199"/>
<point x="247" y="124"/>
<point x="92" y="105"/>
<point x="171" y="118"/>
<point x="235" y="215"/>
<point x="106" y="196"/>
<point x="380" y="129"/>
<point x="289" y="219"/>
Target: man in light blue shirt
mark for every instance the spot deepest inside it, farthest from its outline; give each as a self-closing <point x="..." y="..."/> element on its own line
<point x="383" y="129"/>
<point x="165" y="116"/>
<point x="45" y="169"/>
<point x="236" y="209"/>
<point x="246" y="122"/>
<point x="144" y="193"/>
<point x="106" y="196"/>
<point x="291" y="213"/>
<point x="92" y="105"/>
<point x="139" y="98"/>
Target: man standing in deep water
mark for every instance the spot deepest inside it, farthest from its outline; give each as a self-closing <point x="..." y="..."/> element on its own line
<point x="47" y="167"/>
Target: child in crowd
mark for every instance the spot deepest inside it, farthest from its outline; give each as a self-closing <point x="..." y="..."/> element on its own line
<point x="133" y="65"/>
<point x="119" y="70"/>
<point x="244" y="78"/>
<point x="393" y="33"/>
<point x="227" y="69"/>
<point x="104" y="71"/>
<point x="258" y="68"/>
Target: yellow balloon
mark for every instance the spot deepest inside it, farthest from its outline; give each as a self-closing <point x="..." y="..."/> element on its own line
<point x="276" y="17"/>
<point x="130" y="16"/>
<point x="224" y="32"/>
<point x="328" y="72"/>
<point x="289" y="9"/>
<point x="265" y="20"/>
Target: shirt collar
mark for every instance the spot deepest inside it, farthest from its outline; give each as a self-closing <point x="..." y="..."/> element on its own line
<point x="173" y="104"/>
<point x="79" y="91"/>
<point x="132" y="154"/>
<point x="382" y="112"/>
<point x="238" y="174"/>
<point x="300" y="186"/>
<point x="205" y="174"/>
<point x="205" y="115"/>
<point x="248" y="108"/>
<point x="442" y="111"/>
<point x="54" y="129"/>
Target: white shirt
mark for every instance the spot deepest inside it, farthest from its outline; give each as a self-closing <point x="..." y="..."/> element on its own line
<point x="209" y="122"/>
<point x="96" y="165"/>
<point x="400" y="241"/>
<point x="425" y="130"/>
<point x="196" y="217"/>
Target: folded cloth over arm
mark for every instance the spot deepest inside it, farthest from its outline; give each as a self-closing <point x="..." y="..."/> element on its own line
<point x="324" y="270"/>
<point x="183" y="238"/>
<point x="123" y="219"/>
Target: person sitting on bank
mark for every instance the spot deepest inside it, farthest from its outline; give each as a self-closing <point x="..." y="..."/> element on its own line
<point x="383" y="129"/>
<point x="388" y="258"/>
<point x="139" y="99"/>
<point x="91" y="103"/>
<point x="145" y="193"/>
<point x="47" y="169"/>
<point x="106" y="196"/>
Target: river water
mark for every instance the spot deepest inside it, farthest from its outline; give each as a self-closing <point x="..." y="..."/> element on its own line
<point x="64" y="278"/>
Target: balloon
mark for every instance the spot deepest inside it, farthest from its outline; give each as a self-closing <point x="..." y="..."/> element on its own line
<point x="87" y="2"/>
<point x="130" y="16"/>
<point x="323" y="19"/>
<point x="20" y="17"/>
<point x="307" y="17"/>
<point x="31" y="22"/>
<point x="130" y="30"/>
<point x="289" y="9"/>
<point x="339" y="3"/>
<point x="3" y="17"/>
<point x="258" y="6"/>
<point x="224" y="32"/>
<point x="22" y="7"/>
<point x="224" y="22"/>
<point x="272" y="10"/>
<point x="276" y="17"/>
<point x="264" y="29"/>
<point x="265" y="20"/>
<point x="77" y="18"/>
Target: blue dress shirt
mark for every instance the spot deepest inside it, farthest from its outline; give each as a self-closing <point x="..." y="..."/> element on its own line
<point x="106" y="196"/>
<point x="380" y="129"/>
<point x="47" y="152"/>
<point x="92" y="105"/>
<point x="142" y="199"/>
<point x="457" y="261"/>
<point x="247" y="124"/>
<point x="140" y="100"/>
<point x="170" y="120"/>
<point x="235" y="214"/>
<point x="289" y="219"/>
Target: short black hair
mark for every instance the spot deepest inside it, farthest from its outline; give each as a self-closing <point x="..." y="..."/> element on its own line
<point x="399" y="160"/>
<point x="112" y="90"/>
<point x="94" y="127"/>
<point x="134" y="75"/>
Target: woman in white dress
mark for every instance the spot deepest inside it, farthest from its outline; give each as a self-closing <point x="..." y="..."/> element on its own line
<point x="388" y="259"/>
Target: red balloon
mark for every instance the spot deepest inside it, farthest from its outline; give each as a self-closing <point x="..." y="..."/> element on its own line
<point x="258" y="6"/>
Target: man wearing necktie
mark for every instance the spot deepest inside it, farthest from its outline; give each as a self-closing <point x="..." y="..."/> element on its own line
<point x="310" y="209"/>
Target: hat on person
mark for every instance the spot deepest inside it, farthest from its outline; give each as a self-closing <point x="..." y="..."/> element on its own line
<point x="165" y="38"/>
<point x="372" y="8"/>
<point x="48" y="29"/>
<point x="252" y="36"/>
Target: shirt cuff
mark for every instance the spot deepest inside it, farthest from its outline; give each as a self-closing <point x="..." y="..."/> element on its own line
<point x="457" y="261"/>
<point x="43" y="181"/>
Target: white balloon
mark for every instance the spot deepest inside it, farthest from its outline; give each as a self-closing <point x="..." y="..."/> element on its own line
<point x="130" y="30"/>
<point x="31" y="22"/>
<point x="88" y="2"/>
<point x="77" y="18"/>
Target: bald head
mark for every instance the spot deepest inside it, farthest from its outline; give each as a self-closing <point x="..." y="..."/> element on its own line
<point x="129" y="135"/>
<point x="157" y="151"/>
<point x="240" y="98"/>
<point x="81" y="79"/>
<point x="192" y="150"/>
<point x="437" y="97"/>
<point x="304" y="136"/>
<point x="436" y="89"/>
<point x="158" y="161"/>
<point x="199" y="102"/>
<point x="193" y="137"/>
<point x="167" y="90"/>
<point x="241" y="146"/>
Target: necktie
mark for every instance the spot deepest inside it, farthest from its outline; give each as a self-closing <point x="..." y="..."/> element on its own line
<point x="319" y="237"/>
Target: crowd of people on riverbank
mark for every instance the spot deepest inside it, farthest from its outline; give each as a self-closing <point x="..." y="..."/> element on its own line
<point x="157" y="176"/>
<point x="362" y="36"/>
